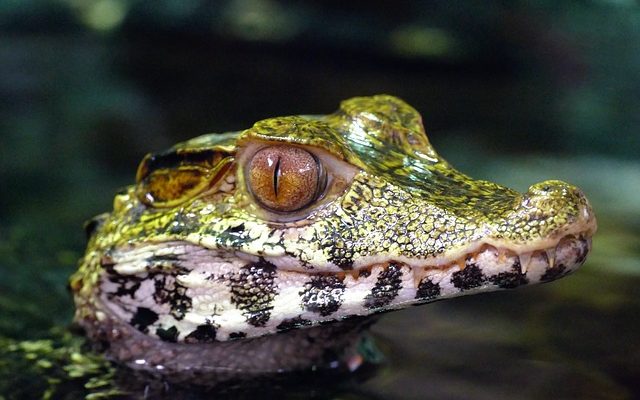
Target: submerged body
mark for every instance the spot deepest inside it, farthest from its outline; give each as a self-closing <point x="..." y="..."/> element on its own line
<point x="264" y="250"/>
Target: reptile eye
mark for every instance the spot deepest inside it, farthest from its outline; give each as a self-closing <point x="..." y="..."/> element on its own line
<point x="168" y="179"/>
<point x="285" y="178"/>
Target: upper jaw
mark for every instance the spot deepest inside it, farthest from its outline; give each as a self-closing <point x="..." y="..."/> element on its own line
<point x="579" y="230"/>
<point x="552" y="247"/>
<point x="501" y="267"/>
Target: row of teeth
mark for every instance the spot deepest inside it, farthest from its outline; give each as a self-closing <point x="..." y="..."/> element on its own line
<point x="547" y="254"/>
<point x="502" y="254"/>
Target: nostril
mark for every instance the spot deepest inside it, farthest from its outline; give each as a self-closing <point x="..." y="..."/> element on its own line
<point x="547" y="188"/>
<point x="554" y="208"/>
<point x="550" y="198"/>
<point x="558" y="189"/>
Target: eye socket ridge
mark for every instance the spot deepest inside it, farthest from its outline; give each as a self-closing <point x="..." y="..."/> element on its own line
<point x="285" y="178"/>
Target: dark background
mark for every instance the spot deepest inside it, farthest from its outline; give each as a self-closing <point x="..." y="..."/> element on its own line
<point x="514" y="92"/>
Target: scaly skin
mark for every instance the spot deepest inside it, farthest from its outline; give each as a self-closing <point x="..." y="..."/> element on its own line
<point x="190" y="272"/>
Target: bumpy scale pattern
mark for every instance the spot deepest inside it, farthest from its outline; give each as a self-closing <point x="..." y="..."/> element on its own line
<point x="323" y="294"/>
<point x="253" y="291"/>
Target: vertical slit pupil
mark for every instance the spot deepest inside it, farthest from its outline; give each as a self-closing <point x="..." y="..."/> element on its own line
<point x="276" y="175"/>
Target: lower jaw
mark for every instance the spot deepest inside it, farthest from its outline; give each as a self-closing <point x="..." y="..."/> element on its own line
<point x="210" y="364"/>
<point x="381" y="287"/>
<point x="332" y="348"/>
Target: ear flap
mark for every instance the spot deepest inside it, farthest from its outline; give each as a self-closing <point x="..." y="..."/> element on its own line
<point x="388" y="120"/>
<point x="170" y="178"/>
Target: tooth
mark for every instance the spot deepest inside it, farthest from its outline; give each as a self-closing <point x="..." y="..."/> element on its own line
<point x="551" y="256"/>
<point x="418" y="274"/>
<point x="525" y="260"/>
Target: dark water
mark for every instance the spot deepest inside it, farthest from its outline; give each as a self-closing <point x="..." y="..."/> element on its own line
<point x="514" y="94"/>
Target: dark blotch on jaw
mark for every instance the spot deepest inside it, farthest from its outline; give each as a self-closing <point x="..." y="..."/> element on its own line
<point x="322" y="294"/>
<point x="237" y="335"/>
<point x="582" y="252"/>
<point x="234" y="235"/>
<point x="168" y="335"/>
<point x="253" y="291"/>
<point x="169" y="291"/>
<point x="560" y="270"/>
<point x="427" y="290"/>
<point x="126" y="285"/>
<point x="510" y="280"/>
<point x="345" y="264"/>
<point x="386" y="288"/>
<point x="554" y="273"/>
<point x="342" y="257"/>
<point x="293" y="323"/>
<point x="259" y="318"/>
<point x="143" y="318"/>
<point x="470" y="277"/>
<point x="202" y="334"/>
<point x="236" y="229"/>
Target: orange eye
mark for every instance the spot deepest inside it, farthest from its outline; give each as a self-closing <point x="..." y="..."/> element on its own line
<point x="285" y="178"/>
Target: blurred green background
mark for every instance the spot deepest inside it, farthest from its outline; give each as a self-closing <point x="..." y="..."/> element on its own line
<point x="513" y="92"/>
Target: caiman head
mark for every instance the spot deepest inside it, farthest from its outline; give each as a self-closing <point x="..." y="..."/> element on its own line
<point x="303" y="220"/>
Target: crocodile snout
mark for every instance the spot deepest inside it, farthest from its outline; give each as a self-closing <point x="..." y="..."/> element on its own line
<point x="558" y="208"/>
<point x="548" y="211"/>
